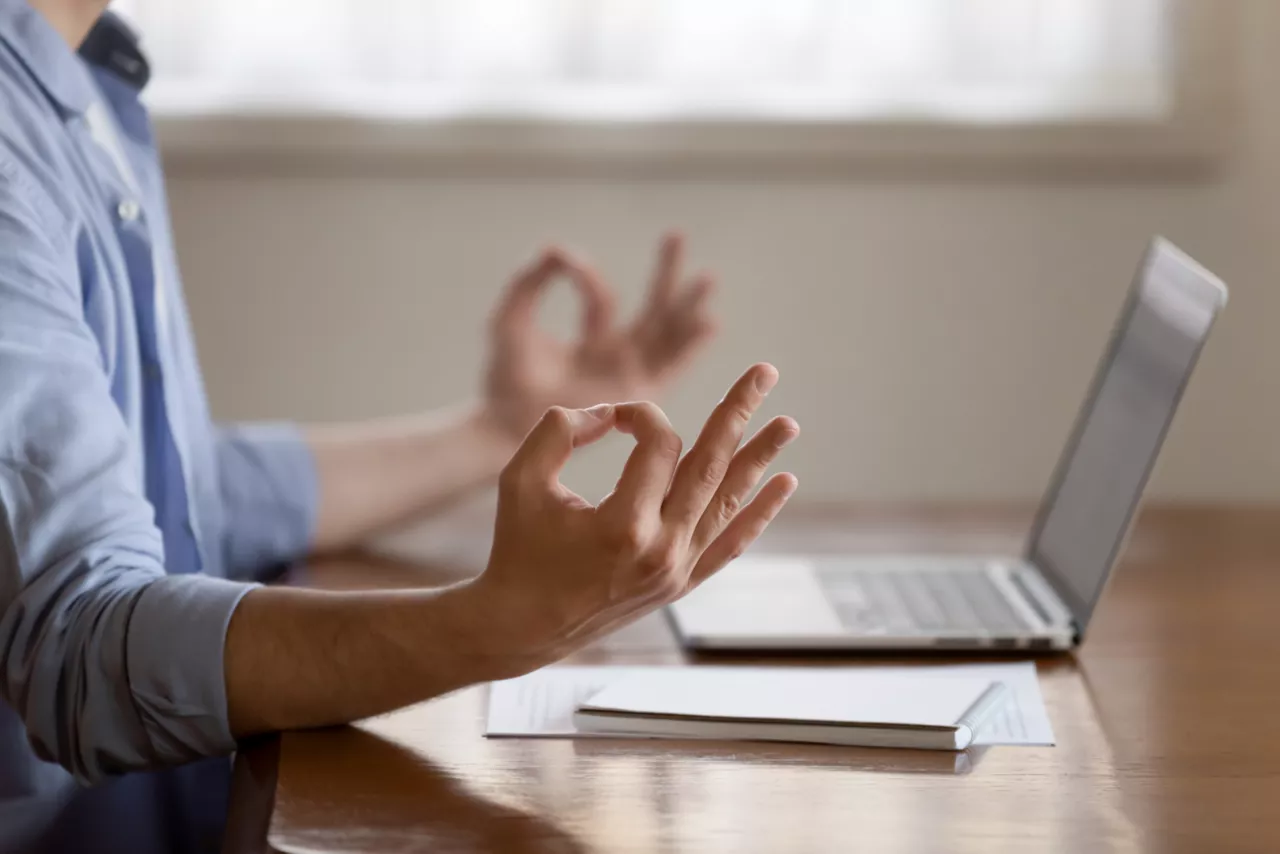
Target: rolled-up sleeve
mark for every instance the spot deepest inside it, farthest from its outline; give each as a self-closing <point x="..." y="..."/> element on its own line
<point x="270" y="495"/>
<point x="112" y="665"/>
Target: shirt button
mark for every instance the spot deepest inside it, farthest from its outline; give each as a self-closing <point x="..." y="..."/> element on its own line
<point x="128" y="210"/>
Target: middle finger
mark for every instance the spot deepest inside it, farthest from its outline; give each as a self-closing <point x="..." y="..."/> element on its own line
<point x="700" y="472"/>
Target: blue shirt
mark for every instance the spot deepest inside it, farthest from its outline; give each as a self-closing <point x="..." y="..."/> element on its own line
<point x="130" y="524"/>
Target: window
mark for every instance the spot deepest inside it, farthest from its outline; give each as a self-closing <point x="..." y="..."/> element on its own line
<point x="767" y="64"/>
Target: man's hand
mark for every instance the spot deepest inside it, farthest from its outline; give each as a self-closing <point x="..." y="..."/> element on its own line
<point x="563" y="572"/>
<point x="378" y="475"/>
<point x="530" y="370"/>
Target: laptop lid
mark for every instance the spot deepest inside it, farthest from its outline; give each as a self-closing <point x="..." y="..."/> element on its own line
<point x="1092" y="498"/>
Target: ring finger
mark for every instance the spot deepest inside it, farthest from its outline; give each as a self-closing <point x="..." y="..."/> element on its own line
<point x="748" y="466"/>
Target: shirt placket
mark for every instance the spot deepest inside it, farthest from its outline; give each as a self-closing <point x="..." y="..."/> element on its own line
<point x="164" y="482"/>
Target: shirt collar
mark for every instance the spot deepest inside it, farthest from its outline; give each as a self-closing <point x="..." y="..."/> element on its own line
<point x="62" y="74"/>
<point x="113" y="45"/>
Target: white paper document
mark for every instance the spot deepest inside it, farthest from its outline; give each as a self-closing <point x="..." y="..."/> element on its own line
<point x="541" y="704"/>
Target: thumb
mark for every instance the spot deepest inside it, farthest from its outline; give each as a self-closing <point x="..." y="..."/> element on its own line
<point x="550" y="443"/>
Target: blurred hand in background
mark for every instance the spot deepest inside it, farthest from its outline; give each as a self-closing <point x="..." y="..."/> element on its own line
<point x="530" y="370"/>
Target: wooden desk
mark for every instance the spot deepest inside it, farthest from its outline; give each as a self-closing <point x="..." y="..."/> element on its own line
<point x="1168" y="723"/>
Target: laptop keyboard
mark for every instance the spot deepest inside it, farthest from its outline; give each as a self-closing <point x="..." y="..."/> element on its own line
<point x="916" y="600"/>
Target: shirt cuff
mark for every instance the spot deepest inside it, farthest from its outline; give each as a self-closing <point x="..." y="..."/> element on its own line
<point x="176" y="638"/>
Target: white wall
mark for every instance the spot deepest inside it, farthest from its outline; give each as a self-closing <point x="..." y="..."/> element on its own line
<point x="934" y="336"/>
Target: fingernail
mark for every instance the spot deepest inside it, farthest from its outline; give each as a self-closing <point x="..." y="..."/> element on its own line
<point x="766" y="380"/>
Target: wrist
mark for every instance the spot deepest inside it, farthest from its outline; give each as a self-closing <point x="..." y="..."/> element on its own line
<point x="489" y="646"/>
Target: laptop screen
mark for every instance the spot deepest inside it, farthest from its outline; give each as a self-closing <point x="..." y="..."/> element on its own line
<point x="1100" y="477"/>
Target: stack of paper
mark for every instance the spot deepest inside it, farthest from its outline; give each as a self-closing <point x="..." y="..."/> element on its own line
<point x="863" y="709"/>
<point x="997" y="703"/>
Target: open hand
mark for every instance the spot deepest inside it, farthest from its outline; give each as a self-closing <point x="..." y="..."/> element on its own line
<point x="564" y="572"/>
<point x="530" y="370"/>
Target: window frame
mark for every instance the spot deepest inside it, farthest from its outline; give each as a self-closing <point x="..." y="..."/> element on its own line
<point x="1191" y="140"/>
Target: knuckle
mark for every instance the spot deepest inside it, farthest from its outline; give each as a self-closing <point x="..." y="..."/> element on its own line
<point x="727" y="505"/>
<point x="669" y="443"/>
<point x="628" y="537"/>
<point x="661" y="563"/>
<point x="650" y="413"/>
<point x="557" y="418"/>
<point x="712" y="472"/>
<point x="738" y="410"/>
<point x="672" y="556"/>
<point x="651" y="565"/>
<point x="658" y="429"/>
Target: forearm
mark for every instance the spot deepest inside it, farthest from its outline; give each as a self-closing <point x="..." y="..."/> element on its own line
<point x="378" y="475"/>
<point x="304" y="658"/>
<point x="562" y="572"/>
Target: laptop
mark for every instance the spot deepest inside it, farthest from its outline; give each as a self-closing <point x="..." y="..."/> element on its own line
<point x="1041" y="600"/>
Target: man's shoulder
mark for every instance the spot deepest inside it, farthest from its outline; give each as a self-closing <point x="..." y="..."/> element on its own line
<point x="34" y="167"/>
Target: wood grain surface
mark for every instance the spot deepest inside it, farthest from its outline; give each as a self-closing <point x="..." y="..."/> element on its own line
<point x="1168" y="725"/>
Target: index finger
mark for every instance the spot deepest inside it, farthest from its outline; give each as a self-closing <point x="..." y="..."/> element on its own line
<point x="703" y="468"/>
<point x="516" y="307"/>
<point x="648" y="470"/>
<point x="545" y="451"/>
<point x="597" y="298"/>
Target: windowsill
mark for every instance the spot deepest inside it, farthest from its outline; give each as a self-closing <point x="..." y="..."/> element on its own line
<point x="1190" y="143"/>
<point x="328" y="142"/>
